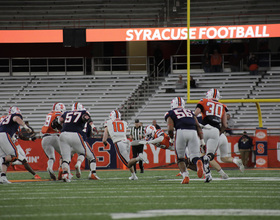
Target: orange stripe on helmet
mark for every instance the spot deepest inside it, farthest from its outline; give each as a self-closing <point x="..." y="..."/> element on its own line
<point x="117" y="114"/>
<point x="215" y="93"/>
<point x="179" y="101"/>
<point x="76" y="105"/>
<point x="54" y="106"/>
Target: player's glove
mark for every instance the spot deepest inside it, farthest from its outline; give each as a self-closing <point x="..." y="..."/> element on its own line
<point x="27" y="136"/>
<point x="202" y="146"/>
<point x="55" y="124"/>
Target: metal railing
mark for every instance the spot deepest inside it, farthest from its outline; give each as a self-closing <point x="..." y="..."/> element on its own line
<point x="74" y="65"/>
<point x="129" y="64"/>
<point x="42" y="65"/>
<point x="266" y="60"/>
<point x="123" y="63"/>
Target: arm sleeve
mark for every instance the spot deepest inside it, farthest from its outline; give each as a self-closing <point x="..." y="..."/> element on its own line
<point x="156" y="140"/>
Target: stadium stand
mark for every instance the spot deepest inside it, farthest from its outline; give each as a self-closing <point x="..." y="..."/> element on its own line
<point x="36" y="95"/>
<point x="45" y="14"/>
<point x="232" y="85"/>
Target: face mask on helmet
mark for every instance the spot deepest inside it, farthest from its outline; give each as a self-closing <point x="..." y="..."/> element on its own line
<point x="114" y="115"/>
<point x="177" y="102"/>
<point x="14" y="110"/>
<point x="60" y="107"/>
<point x="213" y="94"/>
<point x="78" y="107"/>
<point x="150" y="132"/>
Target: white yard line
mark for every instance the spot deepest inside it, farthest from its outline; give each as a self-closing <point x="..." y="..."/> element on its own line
<point x="196" y="212"/>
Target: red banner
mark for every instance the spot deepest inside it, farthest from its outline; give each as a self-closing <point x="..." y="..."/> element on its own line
<point x="158" y="157"/>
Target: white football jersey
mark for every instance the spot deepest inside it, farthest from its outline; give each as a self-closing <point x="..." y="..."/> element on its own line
<point x="117" y="129"/>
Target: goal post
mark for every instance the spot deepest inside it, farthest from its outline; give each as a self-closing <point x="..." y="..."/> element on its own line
<point x="256" y="101"/>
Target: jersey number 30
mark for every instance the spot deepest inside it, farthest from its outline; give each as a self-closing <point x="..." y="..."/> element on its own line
<point x="214" y="109"/>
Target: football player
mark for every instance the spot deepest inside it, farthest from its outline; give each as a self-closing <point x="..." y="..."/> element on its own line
<point x="187" y="131"/>
<point x="87" y="132"/>
<point x="116" y="128"/>
<point x="71" y="139"/>
<point x="223" y="146"/>
<point x="8" y="127"/>
<point x="50" y="135"/>
<point x="157" y="137"/>
<point x="214" y="123"/>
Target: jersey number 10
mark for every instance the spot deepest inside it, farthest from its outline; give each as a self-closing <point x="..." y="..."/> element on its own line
<point x="118" y="126"/>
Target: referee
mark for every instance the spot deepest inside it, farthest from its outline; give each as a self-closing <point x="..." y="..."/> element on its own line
<point x="137" y="134"/>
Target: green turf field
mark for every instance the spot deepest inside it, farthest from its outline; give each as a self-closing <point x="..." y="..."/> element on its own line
<point x="157" y="194"/>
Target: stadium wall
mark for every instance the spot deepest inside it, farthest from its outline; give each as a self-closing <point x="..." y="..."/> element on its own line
<point x="159" y="158"/>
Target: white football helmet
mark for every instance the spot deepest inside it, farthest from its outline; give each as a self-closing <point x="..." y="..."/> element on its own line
<point x="58" y="106"/>
<point x="78" y="107"/>
<point x="213" y="94"/>
<point x="14" y="110"/>
<point x="114" y="115"/>
<point x="150" y="131"/>
<point x="177" y="102"/>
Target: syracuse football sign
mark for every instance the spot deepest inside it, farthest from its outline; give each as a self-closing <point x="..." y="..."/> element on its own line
<point x="145" y="34"/>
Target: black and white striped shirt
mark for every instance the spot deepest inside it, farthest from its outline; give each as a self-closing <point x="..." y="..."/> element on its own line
<point x="137" y="133"/>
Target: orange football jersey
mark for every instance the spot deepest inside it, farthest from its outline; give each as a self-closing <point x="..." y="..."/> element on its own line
<point x="165" y="143"/>
<point x="212" y="112"/>
<point x="212" y="107"/>
<point x="47" y="128"/>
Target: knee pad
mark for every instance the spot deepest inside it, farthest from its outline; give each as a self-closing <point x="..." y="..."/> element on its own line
<point x="211" y="156"/>
<point x="6" y="163"/>
<point x="65" y="162"/>
<point x="93" y="161"/>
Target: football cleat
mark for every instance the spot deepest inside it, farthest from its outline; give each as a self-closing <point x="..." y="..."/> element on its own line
<point x="37" y="177"/>
<point x="240" y="165"/>
<point x="186" y="180"/>
<point x="93" y="177"/>
<point x="206" y="161"/>
<point x="224" y="176"/>
<point x="177" y="102"/>
<point x="179" y="174"/>
<point x="133" y="177"/>
<point x="4" y="180"/>
<point x="52" y="175"/>
<point x="143" y="158"/>
<point x="208" y="178"/>
<point x="59" y="176"/>
<point x="78" y="171"/>
<point x="199" y="167"/>
<point x="65" y="178"/>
